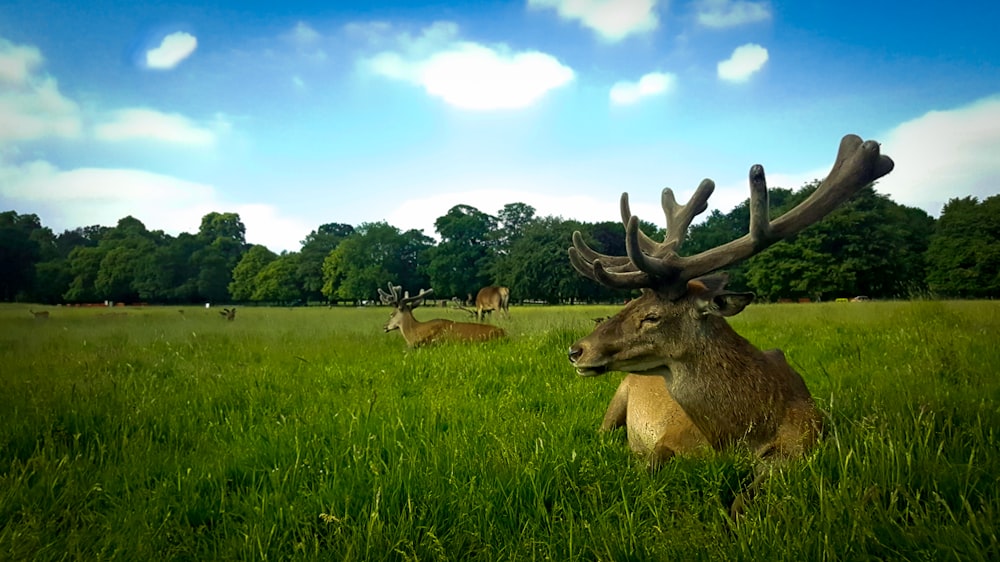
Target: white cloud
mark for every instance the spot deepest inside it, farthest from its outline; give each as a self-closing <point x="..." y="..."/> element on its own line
<point x="174" y="48"/>
<point x="86" y="196"/>
<point x="745" y="60"/>
<point x="31" y="106"/>
<point x="613" y="20"/>
<point x="651" y="84"/>
<point x="469" y="75"/>
<point x="148" y="124"/>
<point x="945" y="154"/>
<point x="720" y="14"/>
<point x="17" y="62"/>
<point x="304" y="34"/>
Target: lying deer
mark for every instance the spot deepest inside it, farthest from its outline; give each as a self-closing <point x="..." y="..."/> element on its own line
<point x="228" y="313"/>
<point x="694" y="382"/>
<point x="418" y="333"/>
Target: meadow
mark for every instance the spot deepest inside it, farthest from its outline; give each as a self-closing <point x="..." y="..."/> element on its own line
<point x="166" y="433"/>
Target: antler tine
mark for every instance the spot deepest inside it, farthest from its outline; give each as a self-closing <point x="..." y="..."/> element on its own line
<point x="648" y="244"/>
<point x="679" y="217"/>
<point x="858" y="164"/>
<point x="390" y="298"/>
<point x="408" y="300"/>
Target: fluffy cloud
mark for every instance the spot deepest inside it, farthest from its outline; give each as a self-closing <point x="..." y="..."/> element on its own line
<point x="720" y="14"/>
<point x="945" y="154"/>
<point x="652" y="84"/>
<point x="745" y="60"/>
<point x="174" y="48"/>
<point x="85" y="196"/>
<point x="31" y="106"/>
<point x="148" y="124"/>
<point x="17" y="62"/>
<point x="469" y="75"/>
<point x="613" y="20"/>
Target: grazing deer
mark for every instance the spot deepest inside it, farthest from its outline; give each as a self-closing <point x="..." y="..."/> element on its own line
<point x="418" y="333"/>
<point x="693" y="381"/>
<point x="492" y="298"/>
<point x="228" y="313"/>
<point x="41" y="315"/>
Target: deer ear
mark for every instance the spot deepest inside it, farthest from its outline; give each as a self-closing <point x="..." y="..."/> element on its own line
<point x="724" y="303"/>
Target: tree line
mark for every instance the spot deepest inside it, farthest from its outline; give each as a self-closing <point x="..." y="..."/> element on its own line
<point x="870" y="246"/>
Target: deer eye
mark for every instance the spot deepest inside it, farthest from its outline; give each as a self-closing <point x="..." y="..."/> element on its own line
<point x="650" y="319"/>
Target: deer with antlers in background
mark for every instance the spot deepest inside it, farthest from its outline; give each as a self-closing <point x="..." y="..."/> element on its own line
<point x="417" y="333"/>
<point x="228" y="313"/>
<point x="692" y="380"/>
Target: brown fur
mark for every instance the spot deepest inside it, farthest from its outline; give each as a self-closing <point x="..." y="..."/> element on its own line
<point x="492" y="298"/>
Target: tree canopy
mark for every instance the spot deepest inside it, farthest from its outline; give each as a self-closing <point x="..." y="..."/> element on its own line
<point x="869" y="246"/>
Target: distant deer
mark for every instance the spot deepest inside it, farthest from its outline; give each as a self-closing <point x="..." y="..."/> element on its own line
<point x="41" y="315"/>
<point x="492" y="298"/>
<point x="418" y="333"/>
<point x="693" y="381"/>
<point x="228" y="313"/>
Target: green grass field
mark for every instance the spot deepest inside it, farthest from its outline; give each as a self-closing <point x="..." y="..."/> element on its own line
<point x="309" y="433"/>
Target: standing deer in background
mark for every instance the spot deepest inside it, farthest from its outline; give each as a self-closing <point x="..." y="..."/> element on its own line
<point x="418" y="333"/>
<point x="41" y="315"/>
<point x="693" y="381"/>
<point x="492" y="298"/>
<point x="228" y="313"/>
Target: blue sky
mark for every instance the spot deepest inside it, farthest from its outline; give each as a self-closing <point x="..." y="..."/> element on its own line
<point x="295" y="114"/>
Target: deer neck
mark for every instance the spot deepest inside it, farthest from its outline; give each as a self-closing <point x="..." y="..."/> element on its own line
<point x="702" y="382"/>
<point x="409" y="326"/>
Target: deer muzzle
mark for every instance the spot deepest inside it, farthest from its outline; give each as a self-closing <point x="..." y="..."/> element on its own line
<point x="575" y="352"/>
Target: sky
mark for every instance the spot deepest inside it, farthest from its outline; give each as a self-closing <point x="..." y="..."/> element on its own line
<point x="295" y="114"/>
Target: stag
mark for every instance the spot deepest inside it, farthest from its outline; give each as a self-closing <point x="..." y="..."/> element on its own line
<point x="692" y="381"/>
<point x="418" y="333"/>
<point x="492" y="298"/>
<point x="228" y="313"/>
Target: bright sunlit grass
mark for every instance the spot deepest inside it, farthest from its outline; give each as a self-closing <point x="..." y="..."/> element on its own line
<point x="309" y="433"/>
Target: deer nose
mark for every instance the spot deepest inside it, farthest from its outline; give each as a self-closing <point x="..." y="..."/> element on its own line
<point x="574" y="353"/>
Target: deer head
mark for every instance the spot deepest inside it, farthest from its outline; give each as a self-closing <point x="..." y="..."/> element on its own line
<point x="403" y="305"/>
<point x="680" y="315"/>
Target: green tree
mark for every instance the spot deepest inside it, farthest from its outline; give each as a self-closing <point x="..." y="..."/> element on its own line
<point x="868" y="246"/>
<point x="376" y="254"/>
<point x="315" y="248"/>
<point x="84" y="265"/>
<point x="223" y="242"/>
<point x="19" y="251"/>
<point x="461" y="263"/>
<point x="171" y="276"/>
<point x="963" y="257"/>
<point x="244" y="283"/>
<point x="278" y="281"/>
<point x="537" y="266"/>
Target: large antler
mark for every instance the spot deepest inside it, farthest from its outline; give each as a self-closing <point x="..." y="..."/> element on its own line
<point x="393" y="298"/>
<point x="657" y="265"/>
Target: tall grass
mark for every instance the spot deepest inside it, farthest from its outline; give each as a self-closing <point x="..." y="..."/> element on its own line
<point x="309" y="433"/>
